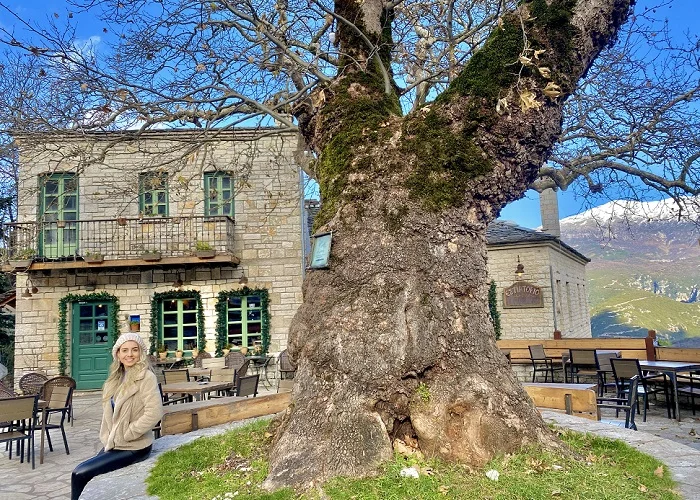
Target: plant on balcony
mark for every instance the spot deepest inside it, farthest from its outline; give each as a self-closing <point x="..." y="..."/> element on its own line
<point x="150" y="255"/>
<point x="22" y="259"/>
<point x="93" y="257"/>
<point x="121" y="221"/>
<point x="204" y="250"/>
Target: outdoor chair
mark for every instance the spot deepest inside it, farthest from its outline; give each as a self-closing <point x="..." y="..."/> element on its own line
<point x="689" y="387"/>
<point x="20" y="414"/>
<point x="198" y="360"/>
<point x="32" y="383"/>
<point x="285" y="385"/>
<point x="261" y="367"/>
<point x="214" y="363"/>
<point x="624" y="369"/>
<point x="605" y="370"/>
<point x="628" y="404"/>
<point x="541" y="363"/>
<point x="169" y="400"/>
<point x="582" y="362"/>
<point x="223" y="375"/>
<point x="285" y="367"/>
<point x="6" y="393"/>
<point x="234" y="359"/>
<point x="175" y="376"/>
<point x="58" y="392"/>
<point x="61" y="380"/>
<point x="247" y="386"/>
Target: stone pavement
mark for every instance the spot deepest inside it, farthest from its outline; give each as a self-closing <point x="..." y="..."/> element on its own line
<point x="676" y="444"/>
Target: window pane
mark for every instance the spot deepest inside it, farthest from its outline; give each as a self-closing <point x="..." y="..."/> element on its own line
<point x="190" y="318"/>
<point x="170" y="305"/>
<point x="86" y="311"/>
<point x="254" y="301"/>
<point x="189" y="305"/>
<point x="170" y="332"/>
<point x="69" y="202"/>
<point x="254" y="315"/>
<point x="148" y="197"/>
<point x="86" y="338"/>
<point x="101" y="310"/>
<point x="170" y="319"/>
<point x="188" y="345"/>
<point x="189" y="331"/>
<point x="234" y="302"/>
<point x="254" y="328"/>
<point x="101" y="337"/>
<point x="235" y="329"/>
<point x="171" y="345"/>
<point x="234" y="315"/>
<point x="85" y="325"/>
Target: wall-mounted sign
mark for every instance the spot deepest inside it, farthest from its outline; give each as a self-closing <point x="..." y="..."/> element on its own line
<point x="320" y="250"/>
<point x="522" y="294"/>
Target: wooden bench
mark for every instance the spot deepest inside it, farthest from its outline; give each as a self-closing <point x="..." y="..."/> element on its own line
<point x="187" y="417"/>
<point x="677" y="354"/>
<point x="573" y="399"/>
<point x="520" y="354"/>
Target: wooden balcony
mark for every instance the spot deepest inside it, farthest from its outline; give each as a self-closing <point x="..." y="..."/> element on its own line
<point x="118" y="242"/>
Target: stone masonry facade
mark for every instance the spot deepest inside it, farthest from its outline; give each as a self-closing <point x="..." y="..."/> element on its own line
<point x="562" y="278"/>
<point x="267" y="232"/>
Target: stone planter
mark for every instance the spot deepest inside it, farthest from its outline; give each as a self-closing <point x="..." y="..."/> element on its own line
<point x="151" y="256"/>
<point x="205" y="254"/>
<point x="21" y="263"/>
<point x="94" y="259"/>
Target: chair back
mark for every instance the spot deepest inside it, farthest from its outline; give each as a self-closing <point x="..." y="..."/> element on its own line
<point x="234" y="359"/>
<point x="214" y="363"/>
<point x="285" y="385"/>
<point x="223" y="375"/>
<point x="174" y="376"/>
<point x="604" y="363"/>
<point x="583" y="357"/>
<point x="626" y="368"/>
<point x="201" y="356"/>
<point x="285" y="366"/>
<point x="241" y="372"/>
<point x="6" y="392"/>
<point x="58" y="391"/>
<point x="247" y="386"/>
<point x="19" y="408"/>
<point x="32" y="383"/>
<point x="537" y="352"/>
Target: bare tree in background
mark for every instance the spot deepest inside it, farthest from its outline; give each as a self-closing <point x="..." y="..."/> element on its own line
<point x="408" y="196"/>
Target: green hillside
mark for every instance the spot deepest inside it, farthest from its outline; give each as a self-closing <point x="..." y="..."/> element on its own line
<point x="618" y="310"/>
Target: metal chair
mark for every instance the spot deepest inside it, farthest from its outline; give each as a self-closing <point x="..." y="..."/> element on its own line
<point x="628" y="404"/>
<point x="624" y="370"/>
<point x="247" y="386"/>
<point x="582" y="362"/>
<point x="174" y="376"/>
<point x="20" y="412"/>
<point x="285" y="367"/>
<point x="58" y="392"/>
<point x="32" y="383"/>
<point x="605" y="369"/>
<point x="541" y="363"/>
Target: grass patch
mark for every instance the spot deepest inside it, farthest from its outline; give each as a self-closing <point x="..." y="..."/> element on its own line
<point x="235" y="462"/>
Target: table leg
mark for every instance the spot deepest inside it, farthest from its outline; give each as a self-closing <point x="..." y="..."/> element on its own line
<point x="674" y="381"/>
<point x="43" y="431"/>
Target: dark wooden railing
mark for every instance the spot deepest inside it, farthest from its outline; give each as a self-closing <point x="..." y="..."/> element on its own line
<point x="119" y="238"/>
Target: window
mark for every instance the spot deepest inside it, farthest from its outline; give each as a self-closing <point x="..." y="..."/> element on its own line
<point x="218" y="194"/>
<point x="58" y="204"/>
<point x="244" y="320"/>
<point x="179" y="324"/>
<point x="153" y="194"/>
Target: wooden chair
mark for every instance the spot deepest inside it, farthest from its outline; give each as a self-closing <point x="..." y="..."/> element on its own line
<point x="285" y="385"/>
<point x="201" y="356"/>
<point x="214" y="363"/>
<point x="285" y="367"/>
<point x="247" y="386"/>
<point x="20" y="412"/>
<point x="234" y="359"/>
<point x="32" y="383"/>
<point x="174" y="376"/>
<point x="58" y="392"/>
<point x="541" y="363"/>
<point x="628" y="404"/>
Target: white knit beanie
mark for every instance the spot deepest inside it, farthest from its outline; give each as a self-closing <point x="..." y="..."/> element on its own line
<point x="127" y="337"/>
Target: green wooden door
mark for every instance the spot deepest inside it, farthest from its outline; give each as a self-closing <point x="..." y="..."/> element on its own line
<point x="90" y="345"/>
<point x="59" y="214"/>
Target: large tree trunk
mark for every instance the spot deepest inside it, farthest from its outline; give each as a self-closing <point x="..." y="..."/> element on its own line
<point x="395" y="339"/>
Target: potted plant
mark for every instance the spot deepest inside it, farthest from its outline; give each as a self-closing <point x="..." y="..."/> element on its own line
<point x="22" y="259"/>
<point x="150" y="255"/>
<point x="162" y="351"/>
<point x="195" y="353"/>
<point x="244" y="350"/>
<point x="121" y="221"/>
<point x="134" y="326"/>
<point x="226" y="349"/>
<point x="61" y="224"/>
<point x="178" y="354"/>
<point x="204" y="250"/>
<point x="93" y="258"/>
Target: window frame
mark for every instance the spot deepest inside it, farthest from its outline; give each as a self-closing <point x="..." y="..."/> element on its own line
<point x="218" y="177"/>
<point x="143" y="178"/>
<point x="244" y="321"/>
<point x="180" y="324"/>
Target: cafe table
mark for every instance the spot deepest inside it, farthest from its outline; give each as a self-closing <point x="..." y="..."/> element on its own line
<point x="260" y="363"/>
<point x="197" y="389"/>
<point x="671" y="368"/>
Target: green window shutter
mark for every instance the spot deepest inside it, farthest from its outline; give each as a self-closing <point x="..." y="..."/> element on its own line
<point x="58" y="202"/>
<point x="218" y="194"/>
<point x="244" y="320"/>
<point x="153" y="194"/>
<point x="179" y="323"/>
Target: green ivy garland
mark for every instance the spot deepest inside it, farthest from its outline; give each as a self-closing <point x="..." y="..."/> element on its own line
<point x="222" y="320"/>
<point x="158" y="299"/>
<point x="63" y="320"/>
<point x="493" y="309"/>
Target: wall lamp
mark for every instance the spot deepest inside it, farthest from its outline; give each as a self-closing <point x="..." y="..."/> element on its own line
<point x="520" y="269"/>
<point x="29" y="289"/>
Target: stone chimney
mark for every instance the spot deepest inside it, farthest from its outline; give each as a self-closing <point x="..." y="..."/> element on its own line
<point x="549" y="211"/>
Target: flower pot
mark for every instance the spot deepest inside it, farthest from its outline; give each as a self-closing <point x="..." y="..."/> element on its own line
<point x="205" y="254"/>
<point x="178" y="354"/>
<point x="94" y="259"/>
<point x="244" y="350"/>
<point x="163" y="355"/>
<point x="134" y="327"/>
<point x="61" y="223"/>
<point x="225" y="351"/>
<point x="121" y="221"/>
<point x="21" y="263"/>
<point x="195" y="353"/>
<point x="151" y="256"/>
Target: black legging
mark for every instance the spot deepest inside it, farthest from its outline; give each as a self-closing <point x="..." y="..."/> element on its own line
<point x="102" y="463"/>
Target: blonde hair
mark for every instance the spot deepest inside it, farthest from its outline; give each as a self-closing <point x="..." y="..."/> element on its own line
<point x="119" y="378"/>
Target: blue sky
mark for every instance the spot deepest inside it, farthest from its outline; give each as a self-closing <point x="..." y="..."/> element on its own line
<point x="683" y="15"/>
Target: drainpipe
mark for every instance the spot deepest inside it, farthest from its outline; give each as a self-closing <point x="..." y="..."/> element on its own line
<point x="554" y="298"/>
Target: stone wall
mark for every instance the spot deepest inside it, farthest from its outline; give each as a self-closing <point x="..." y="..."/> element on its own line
<point x="571" y="318"/>
<point x="267" y="235"/>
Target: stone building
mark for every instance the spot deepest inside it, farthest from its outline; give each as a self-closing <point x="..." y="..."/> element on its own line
<point x="191" y="246"/>
<point x="554" y="270"/>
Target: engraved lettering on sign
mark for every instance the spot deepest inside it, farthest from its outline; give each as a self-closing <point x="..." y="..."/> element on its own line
<point x="522" y="294"/>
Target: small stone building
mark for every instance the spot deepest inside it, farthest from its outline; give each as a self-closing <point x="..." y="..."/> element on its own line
<point x="191" y="245"/>
<point x="550" y="269"/>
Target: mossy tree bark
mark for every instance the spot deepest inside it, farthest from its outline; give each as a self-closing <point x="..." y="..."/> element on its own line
<point x="394" y="339"/>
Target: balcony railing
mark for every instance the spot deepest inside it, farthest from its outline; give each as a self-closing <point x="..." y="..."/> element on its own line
<point x="117" y="239"/>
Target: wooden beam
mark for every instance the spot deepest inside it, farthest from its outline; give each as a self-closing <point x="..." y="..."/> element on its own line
<point x="165" y="261"/>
